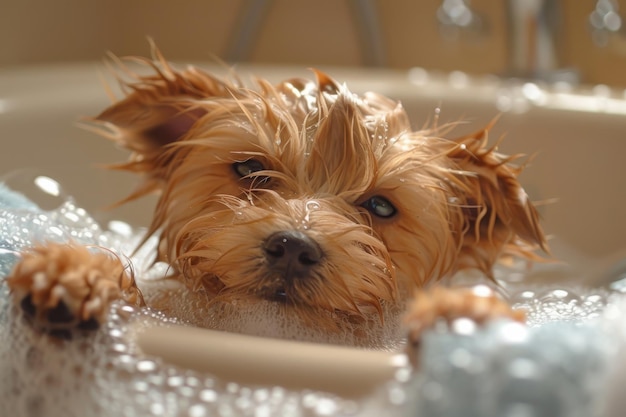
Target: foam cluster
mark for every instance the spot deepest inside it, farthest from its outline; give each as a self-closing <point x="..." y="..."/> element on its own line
<point x="558" y="366"/>
<point x="509" y="370"/>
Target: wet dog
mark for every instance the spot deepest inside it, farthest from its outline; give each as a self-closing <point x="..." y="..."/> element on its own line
<point x="293" y="206"/>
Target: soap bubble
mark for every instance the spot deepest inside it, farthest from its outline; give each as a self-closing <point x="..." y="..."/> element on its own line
<point x="556" y="366"/>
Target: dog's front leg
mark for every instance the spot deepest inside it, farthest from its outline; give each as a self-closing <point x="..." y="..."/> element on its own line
<point x="61" y="287"/>
<point x="446" y="305"/>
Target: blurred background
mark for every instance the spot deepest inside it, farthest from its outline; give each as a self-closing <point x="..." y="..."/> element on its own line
<point x="475" y="36"/>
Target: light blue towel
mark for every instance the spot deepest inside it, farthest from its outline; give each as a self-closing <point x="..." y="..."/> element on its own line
<point x="10" y="199"/>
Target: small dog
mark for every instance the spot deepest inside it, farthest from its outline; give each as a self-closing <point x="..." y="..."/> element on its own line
<point x="301" y="207"/>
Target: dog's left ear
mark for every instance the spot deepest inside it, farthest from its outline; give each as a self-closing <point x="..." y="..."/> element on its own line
<point x="498" y="217"/>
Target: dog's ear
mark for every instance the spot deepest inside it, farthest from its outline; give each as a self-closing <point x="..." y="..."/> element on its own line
<point x="157" y="111"/>
<point x="498" y="217"/>
<point x="341" y="157"/>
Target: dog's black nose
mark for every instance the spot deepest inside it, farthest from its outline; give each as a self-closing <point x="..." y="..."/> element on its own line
<point x="291" y="253"/>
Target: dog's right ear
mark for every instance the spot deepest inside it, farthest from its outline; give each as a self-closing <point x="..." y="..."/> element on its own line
<point x="157" y="111"/>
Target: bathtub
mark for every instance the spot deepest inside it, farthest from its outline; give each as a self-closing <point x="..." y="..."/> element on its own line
<point x="577" y="174"/>
<point x="576" y="135"/>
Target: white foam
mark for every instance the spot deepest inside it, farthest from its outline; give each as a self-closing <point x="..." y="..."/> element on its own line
<point x="105" y="374"/>
<point x="270" y="319"/>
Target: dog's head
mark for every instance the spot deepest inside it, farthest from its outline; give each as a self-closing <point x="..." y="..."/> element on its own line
<point x="311" y="197"/>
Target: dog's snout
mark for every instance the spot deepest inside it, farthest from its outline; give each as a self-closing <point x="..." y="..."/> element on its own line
<point x="292" y="253"/>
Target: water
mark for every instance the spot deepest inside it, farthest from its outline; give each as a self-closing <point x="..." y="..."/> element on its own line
<point x="557" y="366"/>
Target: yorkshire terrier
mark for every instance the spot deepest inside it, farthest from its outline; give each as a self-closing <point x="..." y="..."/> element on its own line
<point x="301" y="210"/>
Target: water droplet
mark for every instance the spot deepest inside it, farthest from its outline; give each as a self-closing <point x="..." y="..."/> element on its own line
<point x="513" y="333"/>
<point x="157" y="409"/>
<point x="116" y="333"/>
<point x="464" y="326"/>
<point x="432" y="391"/>
<point x="309" y="399"/>
<point x="128" y="309"/>
<point x="263" y="410"/>
<point x="141" y="386"/>
<point x="403" y="374"/>
<point x="119" y="347"/>
<point x="232" y="387"/>
<point x="397" y="395"/>
<point x="461" y="358"/>
<point x="243" y="402"/>
<point x="185" y="391"/>
<point x="146" y="366"/>
<point x="121" y="228"/>
<point x="309" y="207"/>
<point x="56" y="231"/>
<point x="560" y="296"/>
<point x="312" y="205"/>
<point x="523" y="368"/>
<point x="326" y="407"/>
<point x="198" y="410"/>
<point x="261" y="395"/>
<point x="208" y="395"/>
<point x="594" y="298"/>
<point x="192" y="381"/>
<point x="175" y="381"/>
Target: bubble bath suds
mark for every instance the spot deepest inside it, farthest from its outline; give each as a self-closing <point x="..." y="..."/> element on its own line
<point x="557" y="366"/>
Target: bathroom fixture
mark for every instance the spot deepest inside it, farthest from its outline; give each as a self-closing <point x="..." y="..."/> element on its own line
<point x="605" y="21"/>
<point x="456" y="16"/>
<point x="253" y="12"/>
<point x="533" y="40"/>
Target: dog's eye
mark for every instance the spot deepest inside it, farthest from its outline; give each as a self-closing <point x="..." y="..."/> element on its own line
<point x="248" y="167"/>
<point x="380" y="206"/>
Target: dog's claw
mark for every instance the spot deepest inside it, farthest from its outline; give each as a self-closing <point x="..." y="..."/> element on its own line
<point x="57" y="321"/>
<point x="64" y="287"/>
<point x="27" y="306"/>
<point x="60" y="314"/>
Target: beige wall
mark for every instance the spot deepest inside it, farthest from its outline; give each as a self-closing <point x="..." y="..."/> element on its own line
<point x="303" y="32"/>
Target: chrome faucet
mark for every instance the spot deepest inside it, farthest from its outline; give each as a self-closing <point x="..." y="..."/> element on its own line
<point x="533" y="40"/>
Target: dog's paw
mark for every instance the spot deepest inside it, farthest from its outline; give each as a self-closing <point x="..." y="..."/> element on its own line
<point x="61" y="287"/>
<point x="446" y="305"/>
